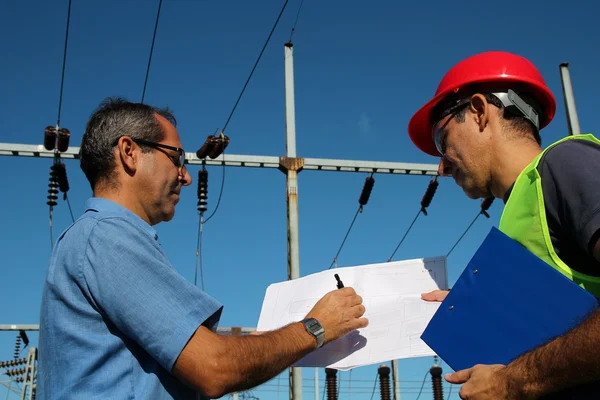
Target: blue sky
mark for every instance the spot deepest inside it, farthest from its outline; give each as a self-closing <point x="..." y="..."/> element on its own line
<point x="361" y="70"/>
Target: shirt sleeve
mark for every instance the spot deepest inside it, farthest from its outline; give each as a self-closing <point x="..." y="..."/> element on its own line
<point x="573" y="171"/>
<point x="132" y="284"/>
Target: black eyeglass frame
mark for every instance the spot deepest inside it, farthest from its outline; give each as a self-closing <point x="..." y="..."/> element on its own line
<point x="178" y="161"/>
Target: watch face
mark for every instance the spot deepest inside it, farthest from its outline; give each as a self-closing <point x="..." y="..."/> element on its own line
<point x="313" y="325"/>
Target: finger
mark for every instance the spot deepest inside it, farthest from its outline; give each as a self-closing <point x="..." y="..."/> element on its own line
<point x="347" y="291"/>
<point x="356" y="300"/>
<point x="459" y="376"/>
<point x="358" y="311"/>
<point x="362" y="323"/>
<point x="435" y="295"/>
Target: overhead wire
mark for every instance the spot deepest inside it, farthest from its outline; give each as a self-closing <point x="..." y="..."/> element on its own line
<point x="485" y="205"/>
<point x="375" y="385"/>
<point x="422" y="386"/>
<point x="151" y="50"/>
<point x="238" y="101"/>
<point x="296" y="22"/>
<point x="362" y="201"/>
<point x="425" y="202"/>
<point x="60" y="100"/>
<point x="62" y="80"/>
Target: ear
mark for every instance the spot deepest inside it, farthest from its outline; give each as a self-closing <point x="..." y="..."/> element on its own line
<point x="479" y="107"/>
<point x="128" y="154"/>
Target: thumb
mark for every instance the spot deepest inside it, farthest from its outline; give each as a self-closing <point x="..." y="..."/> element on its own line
<point x="459" y="376"/>
<point x="435" y="295"/>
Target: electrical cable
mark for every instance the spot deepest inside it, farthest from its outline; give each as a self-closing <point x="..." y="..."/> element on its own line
<point x="362" y="201"/>
<point x="199" y="255"/>
<point x="220" y="191"/>
<point x="296" y="22"/>
<point x="485" y="205"/>
<point x="422" y="386"/>
<point x="345" y="237"/>
<point x="151" y="50"/>
<point x="237" y="102"/>
<point x="70" y="210"/>
<point x="255" y="65"/>
<point x="375" y="385"/>
<point x="449" y="392"/>
<point x="62" y="81"/>
<point x="425" y="202"/>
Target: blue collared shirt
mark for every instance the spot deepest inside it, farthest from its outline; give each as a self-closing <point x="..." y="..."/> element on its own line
<point x="115" y="314"/>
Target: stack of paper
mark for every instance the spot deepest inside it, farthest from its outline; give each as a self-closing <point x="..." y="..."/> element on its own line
<point x="391" y="294"/>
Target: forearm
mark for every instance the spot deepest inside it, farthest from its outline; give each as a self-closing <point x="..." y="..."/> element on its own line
<point x="567" y="361"/>
<point x="248" y="361"/>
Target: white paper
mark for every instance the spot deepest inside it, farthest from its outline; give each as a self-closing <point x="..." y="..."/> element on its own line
<point x="391" y="294"/>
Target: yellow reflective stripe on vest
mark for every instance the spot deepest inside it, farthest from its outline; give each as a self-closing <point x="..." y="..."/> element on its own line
<point x="524" y="220"/>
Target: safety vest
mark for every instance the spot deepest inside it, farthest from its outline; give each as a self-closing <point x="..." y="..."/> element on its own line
<point x="524" y="220"/>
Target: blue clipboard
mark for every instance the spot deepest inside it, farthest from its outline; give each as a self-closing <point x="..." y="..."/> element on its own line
<point x="506" y="302"/>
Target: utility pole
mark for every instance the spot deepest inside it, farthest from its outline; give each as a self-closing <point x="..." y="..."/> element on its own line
<point x="396" y="379"/>
<point x="291" y="166"/>
<point x="572" y="119"/>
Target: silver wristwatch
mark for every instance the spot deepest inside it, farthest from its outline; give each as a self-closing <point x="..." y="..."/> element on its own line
<point x="313" y="327"/>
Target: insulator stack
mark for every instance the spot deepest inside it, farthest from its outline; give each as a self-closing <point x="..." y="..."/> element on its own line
<point x="213" y="147"/>
<point x="20" y="379"/>
<point x="12" y="363"/>
<point x="384" y="382"/>
<point x="485" y="205"/>
<point x="63" y="139"/>
<point x="17" y="347"/>
<point x="331" y="382"/>
<point x="61" y="175"/>
<point x="15" y="372"/>
<point x="366" y="192"/>
<point x="436" y="381"/>
<point x="49" y="138"/>
<point x="53" y="187"/>
<point x="428" y="196"/>
<point x="51" y="134"/>
<point x="202" y="190"/>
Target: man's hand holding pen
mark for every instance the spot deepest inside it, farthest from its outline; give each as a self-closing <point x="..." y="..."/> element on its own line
<point x="339" y="312"/>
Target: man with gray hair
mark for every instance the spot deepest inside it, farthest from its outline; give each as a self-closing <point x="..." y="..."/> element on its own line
<point x="117" y="320"/>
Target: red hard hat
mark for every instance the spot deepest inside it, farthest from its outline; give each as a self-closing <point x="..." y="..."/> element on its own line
<point x="489" y="67"/>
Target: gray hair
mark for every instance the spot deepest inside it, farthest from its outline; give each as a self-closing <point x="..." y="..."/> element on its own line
<point x="114" y="118"/>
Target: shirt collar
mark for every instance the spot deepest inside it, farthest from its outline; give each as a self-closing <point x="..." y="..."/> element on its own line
<point x="102" y="204"/>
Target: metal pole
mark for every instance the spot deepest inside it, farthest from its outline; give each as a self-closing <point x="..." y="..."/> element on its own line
<point x="572" y="119"/>
<point x="292" y="197"/>
<point x="396" y="377"/>
<point x="316" y="383"/>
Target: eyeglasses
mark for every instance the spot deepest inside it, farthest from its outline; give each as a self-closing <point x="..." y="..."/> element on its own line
<point x="179" y="161"/>
<point x="439" y="133"/>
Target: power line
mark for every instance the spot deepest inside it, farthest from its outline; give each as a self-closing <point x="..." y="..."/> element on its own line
<point x="199" y="255"/>
<point x="151" y="49"/>
<point x="423" y="385"/>
<point x="255" y="64"/>
<point x="374" y="385"/>
<point x="296" y="22"/>
<point x="220" y="191"/>
<point x="362" y="201"/>
<point x="238" y="101"/>
<point x="485" y="205"/>
<point x="70" y="210"/>
<point x="62" y="81"/>
<point x="425" y="202"/>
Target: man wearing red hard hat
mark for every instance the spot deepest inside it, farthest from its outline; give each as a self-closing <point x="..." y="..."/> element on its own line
<point x="484" y="122"/>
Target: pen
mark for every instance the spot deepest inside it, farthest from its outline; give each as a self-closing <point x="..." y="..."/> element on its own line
<point x="339" y="281"/>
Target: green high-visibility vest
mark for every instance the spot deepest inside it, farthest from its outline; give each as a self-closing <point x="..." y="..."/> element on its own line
<point x="524" y="220"/>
